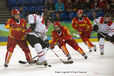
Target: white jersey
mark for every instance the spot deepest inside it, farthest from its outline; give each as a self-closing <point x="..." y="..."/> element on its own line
<point x="104" y="28"/>
<point x="40" y="29"/>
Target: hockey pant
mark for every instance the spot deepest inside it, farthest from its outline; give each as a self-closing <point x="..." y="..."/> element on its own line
<point x="85" y="37"/>
<point x="73" y="44"/>
<point x="11" y="45"/>
<point x="40" y="52"/>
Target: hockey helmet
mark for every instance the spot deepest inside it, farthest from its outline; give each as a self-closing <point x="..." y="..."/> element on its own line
<point x="14" y="12"/>
<point x="57" y="24"/>
<point x="80" y="11"/>
<point x="107" y="14"/>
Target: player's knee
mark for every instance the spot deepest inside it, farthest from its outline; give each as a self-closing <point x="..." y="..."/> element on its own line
<point x="77" y="47"/>
<point x="11" y="49"/>
<point x="25" y="49"/>
<point x="38" y="47"/>
<point x="101" y="41"/>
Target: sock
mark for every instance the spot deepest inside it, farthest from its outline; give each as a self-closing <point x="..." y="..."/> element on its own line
<point x="40" y="52"/>
<point x="101" y="44"/>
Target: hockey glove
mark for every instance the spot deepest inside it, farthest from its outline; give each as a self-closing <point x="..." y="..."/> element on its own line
<point x="51" y="47"/>
<point x="46" y="43"/>
<point x="112" y="39"/>
<point x="107" y="37"/>
<point x="95" y="28"/>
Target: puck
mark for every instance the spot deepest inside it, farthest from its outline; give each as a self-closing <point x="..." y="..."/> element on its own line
<point x="45" y="64"/>
<point x="49" y="65"/>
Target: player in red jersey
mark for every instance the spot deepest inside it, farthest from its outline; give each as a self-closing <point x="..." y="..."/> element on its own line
<point x="84" y="27"/>
<point x="17" y="30"/>
<point x="61" y="36"/>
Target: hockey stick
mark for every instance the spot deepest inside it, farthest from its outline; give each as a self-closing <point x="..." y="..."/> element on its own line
<point x="65" y="62"/>
<point x="76" y="35"/>
<point x="24" y="62"/>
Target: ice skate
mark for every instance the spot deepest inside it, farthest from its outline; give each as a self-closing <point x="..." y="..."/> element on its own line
<point x="94" y="48"/>
<point x="85" y="56"/>
<point x="6" y="65"/>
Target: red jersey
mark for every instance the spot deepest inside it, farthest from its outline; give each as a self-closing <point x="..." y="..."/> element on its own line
<point x="64" y="35"/>
<point x="82" y="25"/>
<point x="16" y="30"/>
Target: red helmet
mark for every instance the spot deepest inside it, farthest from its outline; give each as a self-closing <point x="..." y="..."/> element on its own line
<point x="14" y="11"/>
<point x="80" y="11"/>
<point x="57" y="24"/>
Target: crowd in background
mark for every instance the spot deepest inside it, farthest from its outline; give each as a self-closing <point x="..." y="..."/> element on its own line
<point x="65" y="10"/>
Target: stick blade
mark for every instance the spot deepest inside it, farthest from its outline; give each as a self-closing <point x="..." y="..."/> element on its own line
<point x="22" y="62"/>
<point x="67" y="62"/>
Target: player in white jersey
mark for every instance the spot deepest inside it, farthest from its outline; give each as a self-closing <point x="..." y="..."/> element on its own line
<point x="105" y="28"/>
<point x="37" y="37"/>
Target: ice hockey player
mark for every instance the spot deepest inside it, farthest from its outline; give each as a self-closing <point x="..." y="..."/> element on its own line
<point x="17" y="30"/>
<point x="84" y="27"/>
<point x="61" y="36"/>
<point x="37" y="37"/>
<point x="105" y="28"/>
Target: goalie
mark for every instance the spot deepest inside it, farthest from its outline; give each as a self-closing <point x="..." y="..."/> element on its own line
<point x="61" y="35"/>
<point x="105" y="28"/>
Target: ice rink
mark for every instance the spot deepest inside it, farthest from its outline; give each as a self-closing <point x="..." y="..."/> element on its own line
<point x="95" y="65"/>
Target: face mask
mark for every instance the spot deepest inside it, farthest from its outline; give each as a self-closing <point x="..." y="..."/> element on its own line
<point x="16" y="20"/>
<point x="80" y="18"/>
<point x="58" y="31"/>
<point x="106" y="22"/>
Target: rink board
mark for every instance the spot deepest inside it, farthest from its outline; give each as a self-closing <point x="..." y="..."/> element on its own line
<point x="78" y="40"/>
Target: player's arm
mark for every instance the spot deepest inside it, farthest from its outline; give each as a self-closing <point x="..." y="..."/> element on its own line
<point x="31" y="22"/>
<point x="111" y="29"/>
<point x="8" y="24"/>
<point x="54" y="41"/>
<point x="89" y="24"/>
<point x="96" y="24"/>
<point x="25" y="30"/>
<point x="110" y="35"/>
<point x="74" y="24"/>
<point x="67" y="30"/>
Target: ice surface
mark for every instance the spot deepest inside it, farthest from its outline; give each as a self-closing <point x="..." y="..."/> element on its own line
<point x="95" y="65"/>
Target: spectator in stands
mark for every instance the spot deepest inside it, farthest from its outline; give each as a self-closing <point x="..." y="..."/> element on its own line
<point x="112" y="8"/>
<point x="68" y="6"/>
<point x="45" y="13"/>
<point x="87" y="5"/>
<point x="102" y="4"/>
<point x="59" y="6"/>
<point x="95" y="3"/>
<point x="57" y="17"/>
<point x="78" y="5"/>
<point x="50" y="6"/>
<point x="22" y="13"/>
<point x="98" y="11"/>
<point x="26" y="14"/>
<point x="36" y="12"/>
<point x="94" y="16"/>
<point x="108" y="8"/>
